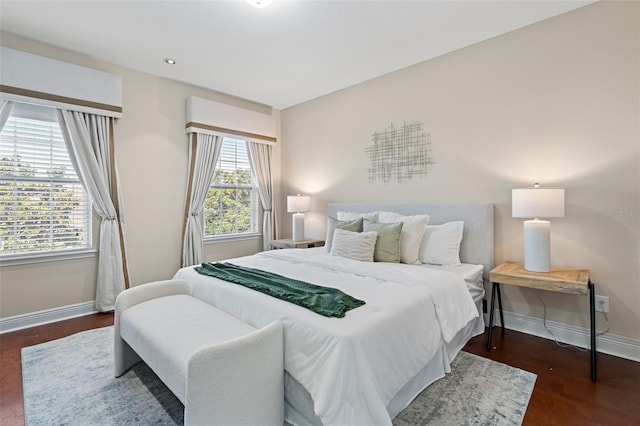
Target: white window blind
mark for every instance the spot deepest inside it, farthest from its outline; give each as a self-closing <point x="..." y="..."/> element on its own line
<point x="231" y="206"/>
<point x="43" y="206"/>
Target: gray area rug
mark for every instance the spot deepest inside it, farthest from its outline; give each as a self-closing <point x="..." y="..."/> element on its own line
<point x="478" y="391"/>
<point x="70" y="381"/>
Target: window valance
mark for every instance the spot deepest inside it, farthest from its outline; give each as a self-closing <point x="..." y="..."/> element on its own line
<point x="215" y="118"/>
<point x="29" y="78"/>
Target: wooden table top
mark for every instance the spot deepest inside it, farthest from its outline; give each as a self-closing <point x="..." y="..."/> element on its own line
<point x="565" y="280"/>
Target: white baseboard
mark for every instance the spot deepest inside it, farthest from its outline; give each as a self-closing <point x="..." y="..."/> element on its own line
<point x="32" y="319"/>
<point x="612" y="344"/>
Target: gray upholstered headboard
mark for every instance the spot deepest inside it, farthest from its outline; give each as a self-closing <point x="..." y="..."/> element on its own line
<point x="477" y="241"/>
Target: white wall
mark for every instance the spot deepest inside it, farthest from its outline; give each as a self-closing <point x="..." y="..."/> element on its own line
<point x="556" y="102"/>
<point x="151" y="154"/>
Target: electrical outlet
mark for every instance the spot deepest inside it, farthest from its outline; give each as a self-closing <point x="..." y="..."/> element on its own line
<point x="602" y="304"/>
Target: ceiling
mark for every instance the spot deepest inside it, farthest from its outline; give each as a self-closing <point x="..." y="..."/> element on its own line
<point x="282" y="55"/>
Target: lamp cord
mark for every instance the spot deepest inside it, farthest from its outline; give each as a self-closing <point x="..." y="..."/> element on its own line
<point x="567" y="345"/>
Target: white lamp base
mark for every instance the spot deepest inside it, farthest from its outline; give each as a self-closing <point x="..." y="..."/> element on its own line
<point x="298" y="226"/>
<point x="537" y="257"/>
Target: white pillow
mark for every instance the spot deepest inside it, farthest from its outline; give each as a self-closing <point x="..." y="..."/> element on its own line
<point x="373" y="216"/>
<point x="354" y="245"/>
<point x="441" y="244"/>
<point x="413" y="230"/>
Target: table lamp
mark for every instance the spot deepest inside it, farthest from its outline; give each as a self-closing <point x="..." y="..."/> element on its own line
<point x="535" y="203"/>
<point x="298" y="204"/>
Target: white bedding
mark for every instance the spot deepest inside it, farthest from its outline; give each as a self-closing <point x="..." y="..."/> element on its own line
<point x="472" y="275"/>
<point x="353" y="366"/>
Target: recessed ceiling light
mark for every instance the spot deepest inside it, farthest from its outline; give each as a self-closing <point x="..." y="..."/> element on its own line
<point x="259" y="3"/>
<point x="169" y="61"/>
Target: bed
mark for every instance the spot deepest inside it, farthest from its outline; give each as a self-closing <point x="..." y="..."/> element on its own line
<point x="368" y="366"/>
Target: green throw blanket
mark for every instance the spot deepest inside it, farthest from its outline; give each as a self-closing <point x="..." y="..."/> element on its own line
<point x="326" y="301"/>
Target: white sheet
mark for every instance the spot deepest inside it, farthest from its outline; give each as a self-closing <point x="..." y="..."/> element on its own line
<point x="351" y="366"/>
<point x="472" y="275"/>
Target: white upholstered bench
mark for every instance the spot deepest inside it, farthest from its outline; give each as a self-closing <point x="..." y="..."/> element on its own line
<point x="223" y="370"/>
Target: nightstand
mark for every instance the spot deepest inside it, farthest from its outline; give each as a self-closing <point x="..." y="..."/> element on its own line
<point x="564" y="280"/>
<point x="289" y="243"/>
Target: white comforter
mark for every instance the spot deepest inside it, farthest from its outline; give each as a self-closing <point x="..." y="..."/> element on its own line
<point x="351" y="366"/>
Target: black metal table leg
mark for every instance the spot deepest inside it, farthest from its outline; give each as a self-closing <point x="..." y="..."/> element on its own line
<point x="592" y="313"/>
<point x="495" y="292"/>
<point x="493" y="301"/>
<point x="500" y="306"/>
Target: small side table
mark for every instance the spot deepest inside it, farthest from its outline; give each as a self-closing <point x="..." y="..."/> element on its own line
<point x="565" y="280"/>
<point x="289" y="243"/>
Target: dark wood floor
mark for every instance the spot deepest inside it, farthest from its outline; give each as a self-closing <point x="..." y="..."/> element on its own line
<point x="563" y="395"/>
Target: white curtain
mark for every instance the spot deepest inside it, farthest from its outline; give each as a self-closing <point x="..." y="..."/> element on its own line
<point x="260" y="158"/>
<point x="203" y="155"/>
<point x="88" y="138"/>
<point x="5" y="111"/>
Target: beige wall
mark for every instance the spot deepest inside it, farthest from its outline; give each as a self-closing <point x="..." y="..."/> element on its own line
<point x="151" y="154"/>
<point x="555" y="102"/>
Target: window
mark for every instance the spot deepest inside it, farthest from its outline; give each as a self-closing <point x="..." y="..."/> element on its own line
<point x="231" y="207"/>
<point x="43" y="207"/>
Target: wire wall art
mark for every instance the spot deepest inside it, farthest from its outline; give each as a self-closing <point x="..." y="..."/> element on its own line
<point x="399" y="153"/>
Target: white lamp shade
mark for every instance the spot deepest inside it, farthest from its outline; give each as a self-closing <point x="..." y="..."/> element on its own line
<point x="298" y="203"/>
<point x="537" y="202"/>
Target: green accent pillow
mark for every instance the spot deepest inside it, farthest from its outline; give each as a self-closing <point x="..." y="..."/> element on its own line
<point x="348" y="225"/>
<point x="388" y="242"/>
